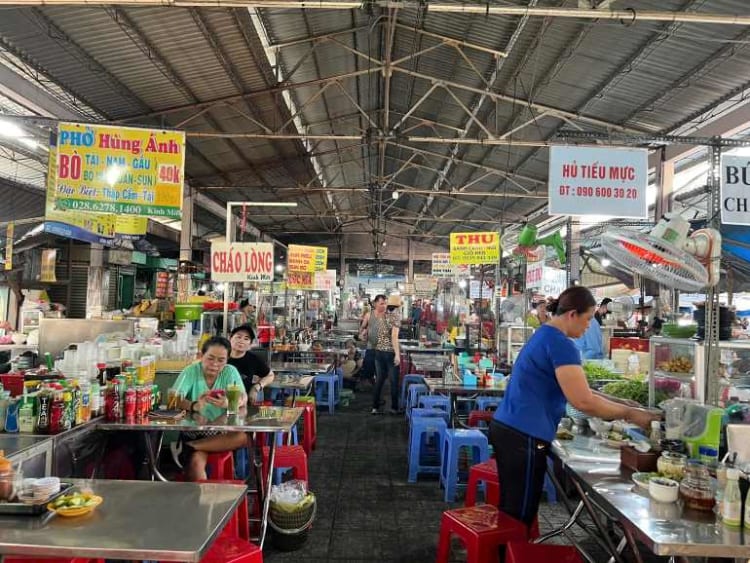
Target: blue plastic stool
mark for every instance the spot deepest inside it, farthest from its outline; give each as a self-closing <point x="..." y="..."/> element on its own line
<point x="440" y="413"/>
<point x="281" y="438"/>
<point x="487" y="403"/>
<point x="424" y="431"/>
<point x="415" y="391"/>
<point x="453" y="441"/>
<point x="327" y="388"/>
<point x="434" y="402"/>
<point x="409" y="379"/>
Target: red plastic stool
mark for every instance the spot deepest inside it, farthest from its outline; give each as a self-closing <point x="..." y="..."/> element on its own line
<point x="309" y="437"/>
<point x="487" y="472"/>
<point x="228" y="549"/>
<point x="288" y="456"/>
<point x="239" y="524"/>
<point x="220" y="465"/>
<point x="482" y="529"/>
<point x="522" y="552"/>
<point x="475" y="417"/>
<point x="23" y="559"/>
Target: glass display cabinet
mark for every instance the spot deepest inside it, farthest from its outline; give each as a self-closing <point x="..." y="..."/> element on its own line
<point x="510" y="340"/>
<point x="734" y="372"/>
<point x="676" y="369"/>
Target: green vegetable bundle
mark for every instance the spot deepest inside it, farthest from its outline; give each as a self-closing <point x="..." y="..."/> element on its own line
<point x="596" y="372"/>
<point x="633" y="390"/>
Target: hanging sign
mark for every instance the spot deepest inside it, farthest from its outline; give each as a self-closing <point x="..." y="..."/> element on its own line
<point x="300" y="280"/>
<point x="307" y="258"/>
<point x="241" y="261"/>
<point x="324" y="281"/>
<point x="534" y="274"/>
<point x="598" y="181"/>
<point x="49" y="261"/>
<point x="119" y="170"/>
<point x="9" y="246"/>
<point x="475" y="248"/>
<point x="424" y="285"/>
<point x="554" y="281"/>
<point x="735" y="189"/>
<point x="99" y="228"/>
<point x="488" y="289"/>
<point x="442" y="267"/>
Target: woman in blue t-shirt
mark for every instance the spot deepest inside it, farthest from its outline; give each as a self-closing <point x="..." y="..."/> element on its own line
<point x="546" y="375"/>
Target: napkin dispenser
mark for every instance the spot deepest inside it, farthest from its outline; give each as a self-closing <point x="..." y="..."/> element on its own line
<point x="638" y="461"/>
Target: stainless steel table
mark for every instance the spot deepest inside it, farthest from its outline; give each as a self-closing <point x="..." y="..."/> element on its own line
<point x="137" y="520"/>
<point x="455" y="389"/>
<point x="294" y="383"/>
<point x="298" y="367"/>
<point x="263" y="420"/>
<point x="22" y="447"/>
<point x="666" y="529"/>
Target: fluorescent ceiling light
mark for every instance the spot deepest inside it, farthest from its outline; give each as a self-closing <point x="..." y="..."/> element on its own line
<point x="29" y="142"/>
<point x="8" y="129"/>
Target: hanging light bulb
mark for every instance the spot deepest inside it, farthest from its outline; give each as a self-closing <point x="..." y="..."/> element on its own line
<point x="395" y="194"/>
<point x="606" y="262"/>
<point x="385" y="243"/>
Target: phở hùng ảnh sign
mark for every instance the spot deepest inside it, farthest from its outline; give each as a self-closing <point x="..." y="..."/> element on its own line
<point x="105" y="169"/>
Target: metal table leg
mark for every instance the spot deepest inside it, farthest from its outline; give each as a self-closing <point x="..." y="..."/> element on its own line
<point x="153" y="453"/>
<point x="599" y="526"/>
<point x="267" y="491"/>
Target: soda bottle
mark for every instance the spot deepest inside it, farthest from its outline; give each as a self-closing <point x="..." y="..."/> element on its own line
<point x="142" y="401"/>
<point x="95" y="399"/>
<point x="26" y="414"/>
<point x="44" y="400"/>
<point x="77" y="414"/>
<point x="68" y="413"/>
<point x="85" y="406"/>
<point x="113" y="404"/>
<point x="130" y="405"/>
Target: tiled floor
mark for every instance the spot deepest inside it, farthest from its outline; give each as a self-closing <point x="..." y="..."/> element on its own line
<point x="366" y="509"/>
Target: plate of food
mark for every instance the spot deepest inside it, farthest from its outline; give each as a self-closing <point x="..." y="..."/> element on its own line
<point x="76" y="504"/>
<point x="641" y="479"/>
<point x="615" y="440"/>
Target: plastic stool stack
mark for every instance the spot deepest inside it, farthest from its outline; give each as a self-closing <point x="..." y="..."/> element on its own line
<point x="220" y="465"/>
<point x="487" y="403"/>
<point x="408" y="380"/>
<point x="327" y="390"/>
<point x="233" y="550"/>
<point x="453" y="441"/>
<point x="287" y="456"/>
<point x="425" y="431"/>
<point x="415" y="391"/>
<point x="434" y="402"/>
<point x="523" y="552"/>
<point x="239" y="525"/>
<point x="417" y="412"/>
<point x="482" y="529"/>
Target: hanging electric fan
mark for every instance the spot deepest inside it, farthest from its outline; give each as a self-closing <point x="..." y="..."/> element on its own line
<point x="667" y="255"/>
<point x="530" y="245"/>
<point x="513" y="308"/>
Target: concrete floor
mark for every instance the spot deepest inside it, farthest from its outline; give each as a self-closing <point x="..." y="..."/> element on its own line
<point x="366" y="509"/>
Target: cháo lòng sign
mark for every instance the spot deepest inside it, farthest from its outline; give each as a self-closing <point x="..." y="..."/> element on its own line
<point x="105" y="169"/>
<point x="474" y="248"/>
<point x="242" y="261"/>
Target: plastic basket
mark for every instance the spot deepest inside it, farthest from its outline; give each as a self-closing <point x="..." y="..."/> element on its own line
<point x="290" y="529"/>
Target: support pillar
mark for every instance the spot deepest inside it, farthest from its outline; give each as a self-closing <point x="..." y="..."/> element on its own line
<point x="410" y="258"/>
<point x="573" y="250"/>
<point x="98" y="283"/>
<point x="665" y="188"/>
<point x="186" y="243"/>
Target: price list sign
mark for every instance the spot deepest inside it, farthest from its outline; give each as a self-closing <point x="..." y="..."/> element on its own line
<point x="598" y="181"/>
<point x="122" y="170"/>
<point x="307" y="258"/>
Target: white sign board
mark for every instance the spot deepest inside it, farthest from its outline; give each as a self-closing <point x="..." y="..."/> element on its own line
<point x="487" y="291"/>
<point x="598" y="181"/>
<point x="534" y="274"/>
<point x="554" y="281"/>
<point x="241" y="261"/>
<point x="325" y="281"/>
<point x="442" y="267"/>
<point x="735" y="190"/>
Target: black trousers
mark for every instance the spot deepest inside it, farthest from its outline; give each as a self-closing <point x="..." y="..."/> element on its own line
<point x="521" y="465"/>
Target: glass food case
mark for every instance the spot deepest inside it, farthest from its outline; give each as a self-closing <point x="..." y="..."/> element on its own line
<point x="510" y="340"/>
<point x="676" y="370"/>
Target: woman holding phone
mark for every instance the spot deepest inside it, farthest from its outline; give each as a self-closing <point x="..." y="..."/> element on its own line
<point x="203" y="386"/>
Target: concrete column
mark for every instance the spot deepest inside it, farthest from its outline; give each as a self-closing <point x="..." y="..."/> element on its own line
<point x="573" y="243"/>
<point x="186" y="232"/>
<point x="410" y="258"/>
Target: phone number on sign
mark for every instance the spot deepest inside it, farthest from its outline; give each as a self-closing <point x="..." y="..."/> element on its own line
<point x="589" y="191"/>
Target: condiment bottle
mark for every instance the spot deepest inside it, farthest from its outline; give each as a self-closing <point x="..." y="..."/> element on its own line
<point x="731" y="512"/>
<point x="655" y="436"/>
<point x="6" y="477"/>
<point x="26" y="419"/>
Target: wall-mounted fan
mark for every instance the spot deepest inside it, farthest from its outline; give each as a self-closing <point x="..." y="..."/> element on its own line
<point x="529" y="244"/>
<point x="667" y="254"/>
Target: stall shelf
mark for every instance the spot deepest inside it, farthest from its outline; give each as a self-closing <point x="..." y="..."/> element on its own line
<point x="734" y="372"/>
<point x="510" y="340"/>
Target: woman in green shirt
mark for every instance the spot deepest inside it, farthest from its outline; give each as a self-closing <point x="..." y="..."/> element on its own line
<point x="199" y="384"/>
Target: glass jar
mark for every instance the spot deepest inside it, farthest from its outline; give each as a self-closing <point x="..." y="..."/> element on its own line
<point x="695" y="489"/>
<point x="672" y="465"/>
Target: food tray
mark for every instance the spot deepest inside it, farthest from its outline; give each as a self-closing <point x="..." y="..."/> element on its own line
<point x="22" y="509"/>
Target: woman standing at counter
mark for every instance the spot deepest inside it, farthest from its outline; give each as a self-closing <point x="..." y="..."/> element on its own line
<point x="546" y="375"/>
<point x="203" y="385"/>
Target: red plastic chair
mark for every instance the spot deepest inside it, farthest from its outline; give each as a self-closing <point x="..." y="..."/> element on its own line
<point x="220" y="465"/>
<point x="482" y="529"/>
<point x="288" y="456"/>
<point x="475" y="417"/>
<point x="239" y="524"/>
<point x="309" y="438"/>
<point x="233" y="550"/>
<point x="522" y="552"/>
<point x="486" y="472"/>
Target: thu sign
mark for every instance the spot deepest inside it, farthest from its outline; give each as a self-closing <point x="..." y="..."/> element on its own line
<point x="125" y="170"/>
<point x="241" y="262"/>
<point x="598" y="181"/>
<point x="474" y="248"/>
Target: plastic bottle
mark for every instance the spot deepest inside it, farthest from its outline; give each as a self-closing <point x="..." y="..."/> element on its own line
<point x="102" y="375"/>
<point x="84" y="409"/>
<point x="26" y="414"/>
<point x="731" y="512"/>
<point x="95" y="398"/>
<point x="76" y="407"/>
<point x="655" y="436"/>
<point x="634" y="364"/>
<point x="43" y="406"/>
<point x="68" y="413"/>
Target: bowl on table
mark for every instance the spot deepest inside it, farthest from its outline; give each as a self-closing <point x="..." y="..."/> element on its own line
<point x="663" y="490"/>
<point x="89" y="502"/>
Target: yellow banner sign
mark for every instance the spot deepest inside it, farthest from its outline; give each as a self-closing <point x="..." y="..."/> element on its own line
<point x="99" y="228"/>
<point x="300" y="280"/>
<point x="475" y="248"/>
<point x="9" y="246"/>
<point x="307" y="258"/>
<point x="49" y="260"/>
<point x="119" y="170"/>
